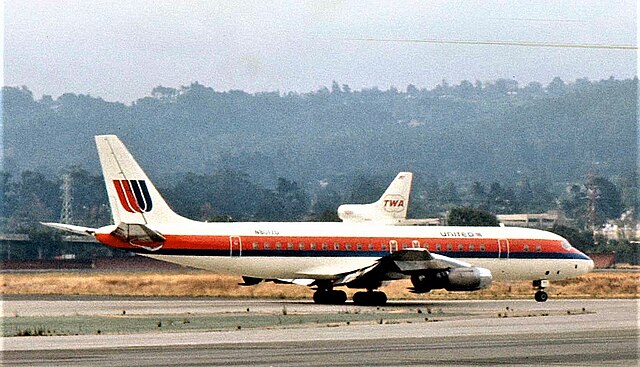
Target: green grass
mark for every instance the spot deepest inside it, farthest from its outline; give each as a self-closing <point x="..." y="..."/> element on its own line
<point x="124" y="324"/>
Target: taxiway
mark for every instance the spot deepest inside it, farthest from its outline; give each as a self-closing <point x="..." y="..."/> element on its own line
<point x="523" y="332"/>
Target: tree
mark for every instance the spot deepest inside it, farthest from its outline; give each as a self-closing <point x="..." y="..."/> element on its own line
<point x="471" y="217"/>
<point x="582" y="240"/>
<point x="557" y="87"/>
<point x="289" y="202"/>
<point x="608" y="200"/>
<point x="478" y="194"/>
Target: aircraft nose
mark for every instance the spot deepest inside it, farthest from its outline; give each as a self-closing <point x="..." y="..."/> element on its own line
<point x="590" y="265"/>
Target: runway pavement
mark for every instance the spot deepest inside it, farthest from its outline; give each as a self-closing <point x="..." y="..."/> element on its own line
<point x="455" y="333"/>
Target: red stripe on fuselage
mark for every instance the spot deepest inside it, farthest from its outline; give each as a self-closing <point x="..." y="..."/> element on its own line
<point x="355" y="244"/>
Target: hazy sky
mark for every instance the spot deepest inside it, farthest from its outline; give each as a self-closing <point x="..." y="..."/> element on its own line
<point x="120" y="50"/>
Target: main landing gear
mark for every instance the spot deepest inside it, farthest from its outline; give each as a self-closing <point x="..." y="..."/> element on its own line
<point x="370" y="298"/>
<point x="540" y="285"/>
<point x="328" y="296"/>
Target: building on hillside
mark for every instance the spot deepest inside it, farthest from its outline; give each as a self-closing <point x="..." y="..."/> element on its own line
<point x="615" y="230"/>
<point x="541" y="220"/>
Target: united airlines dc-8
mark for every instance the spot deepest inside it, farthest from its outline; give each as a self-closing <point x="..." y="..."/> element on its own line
<point x="360" y="255"/>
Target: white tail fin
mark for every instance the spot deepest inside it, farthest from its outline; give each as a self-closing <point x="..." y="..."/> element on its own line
<point x="389" y="209"/>
<point x="132" y="196"/>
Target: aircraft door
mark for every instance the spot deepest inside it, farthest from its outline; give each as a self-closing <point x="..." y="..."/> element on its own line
<point x="393" y="246"/>
<point x="235" y="246"/>
<point x="503" y="249"/>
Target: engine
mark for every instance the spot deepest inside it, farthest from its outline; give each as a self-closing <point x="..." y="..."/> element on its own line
<point x="454" y="279"/>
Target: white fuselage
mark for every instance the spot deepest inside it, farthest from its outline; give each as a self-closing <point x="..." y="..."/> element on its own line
<point x="322" y="250"/>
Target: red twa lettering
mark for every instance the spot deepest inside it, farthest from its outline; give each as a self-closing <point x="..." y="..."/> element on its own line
<point x="394" y="203"/>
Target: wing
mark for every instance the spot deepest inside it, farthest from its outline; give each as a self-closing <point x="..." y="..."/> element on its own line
<point x="427" y="271"/>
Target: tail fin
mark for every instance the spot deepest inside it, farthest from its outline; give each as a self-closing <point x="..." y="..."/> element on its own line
<point x="390" y="208"/>
<point x="132" y="196"/>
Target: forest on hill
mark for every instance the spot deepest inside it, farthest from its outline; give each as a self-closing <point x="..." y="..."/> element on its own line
<point x="491" y="131"/>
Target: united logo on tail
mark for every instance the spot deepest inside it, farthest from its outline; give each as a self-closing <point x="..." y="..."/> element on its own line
<point x="134" y="195"/>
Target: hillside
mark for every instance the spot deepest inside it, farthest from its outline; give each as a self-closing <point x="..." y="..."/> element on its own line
<point x="483" y="131"/>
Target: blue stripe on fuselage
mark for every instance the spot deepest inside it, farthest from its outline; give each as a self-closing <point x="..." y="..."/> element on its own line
<point x="334" y="253"/>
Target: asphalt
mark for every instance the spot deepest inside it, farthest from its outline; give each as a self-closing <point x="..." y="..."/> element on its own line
<point x="523" y="332"/>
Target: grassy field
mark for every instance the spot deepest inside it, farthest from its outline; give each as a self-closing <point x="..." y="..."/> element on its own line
<point x="202" y="284"/>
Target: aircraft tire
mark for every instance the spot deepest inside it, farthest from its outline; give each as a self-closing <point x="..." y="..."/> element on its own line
<point x="370" y="298"/>
<point x="541" y="296"/>
<point x="329" y="297"/>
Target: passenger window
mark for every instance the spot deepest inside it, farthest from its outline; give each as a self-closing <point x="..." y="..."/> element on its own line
<point x="312" y="246"/>
<point x="538" y="248"/>
<point x="404" y="246"/>
<point x="255" y="246"/>
<point x="526" y="248"/>
<point x="371" y="247"/>
<point x="383" y="247"/>
<point x="482" y="248"/>
<point x="472" y="248"/>
<point x="460" y="247"/>
<point x="449" y="247"/>
<point x="278" y="245"/>
<point x="290" y="246"/>
<point x="359" y="246"/>
<point x="266" y="245"/>
<point x="336" y="246"/>
<point x="438" y="247"/>
<point x="301" y="245"/>
<point x="348" y="246"/>
<point x="325" y="246"/>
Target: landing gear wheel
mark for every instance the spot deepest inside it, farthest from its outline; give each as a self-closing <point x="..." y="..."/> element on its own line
<point x="541" y="296"/>
<point x="540" y="285"/>
<point x="370" y="298"/>
<point x="329" y="297"/>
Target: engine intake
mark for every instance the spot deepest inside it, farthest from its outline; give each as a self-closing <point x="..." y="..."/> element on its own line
<point x="454" y="279"/>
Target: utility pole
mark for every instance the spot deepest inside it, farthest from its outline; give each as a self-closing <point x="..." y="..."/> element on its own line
<point x="66" y="213"/>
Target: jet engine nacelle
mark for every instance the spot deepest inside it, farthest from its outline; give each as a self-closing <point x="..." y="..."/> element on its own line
<point x="455" y="279"/>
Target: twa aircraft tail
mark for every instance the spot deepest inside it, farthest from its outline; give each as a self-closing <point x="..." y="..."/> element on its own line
<point x="132" y="196"/>
<point x="389" y="209"/>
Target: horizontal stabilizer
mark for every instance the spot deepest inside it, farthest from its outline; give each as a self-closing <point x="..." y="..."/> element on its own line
<point x="85" y="231"/>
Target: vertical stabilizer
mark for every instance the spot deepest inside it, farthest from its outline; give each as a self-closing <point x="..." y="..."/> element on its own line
<point x="391" y="208"/>
<point x="132" y="196"/>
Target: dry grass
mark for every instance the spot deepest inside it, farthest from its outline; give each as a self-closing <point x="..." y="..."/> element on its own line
<point x="201" y="284"/>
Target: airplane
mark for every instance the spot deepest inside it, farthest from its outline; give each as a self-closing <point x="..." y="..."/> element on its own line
<point x="325" y="255"/>
<point x="391" y="208"/>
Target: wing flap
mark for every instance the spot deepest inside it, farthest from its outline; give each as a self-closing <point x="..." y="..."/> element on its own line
<point x="336" y="270"/>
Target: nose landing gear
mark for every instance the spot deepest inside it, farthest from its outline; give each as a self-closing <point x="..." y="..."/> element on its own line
<point x="541" y="295"/>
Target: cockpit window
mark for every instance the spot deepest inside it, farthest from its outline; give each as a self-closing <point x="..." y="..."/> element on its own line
<point x="566" y="245"/>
